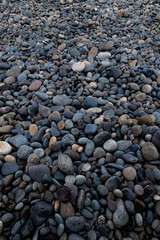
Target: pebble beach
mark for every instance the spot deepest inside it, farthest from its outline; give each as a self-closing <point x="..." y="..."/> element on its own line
<point x="79" y="120"/>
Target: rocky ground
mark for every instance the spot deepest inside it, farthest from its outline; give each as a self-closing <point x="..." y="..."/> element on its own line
<point x="79" y="120"/>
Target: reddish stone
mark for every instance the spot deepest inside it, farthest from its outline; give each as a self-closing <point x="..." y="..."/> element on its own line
<point x="35" y="85"/>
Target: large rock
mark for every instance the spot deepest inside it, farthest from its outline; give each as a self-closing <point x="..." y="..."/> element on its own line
<point x="40" y="211"/>
<point x="149" y="151"/>
<point x="120" y="216"/>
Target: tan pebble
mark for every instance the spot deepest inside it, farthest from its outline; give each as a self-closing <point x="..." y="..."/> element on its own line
<point x="48" y="130"/>
<point x="133" y="63"/>
<point x="93" y="84"/>
<point x="55" y="57"/>
<point x="75" y="147"/>
<point x="123" y="99"/>
<point x="93" y="52"/>
<point x="9" y="80"/>
<point x="60" y="125"/>
<point x="6" y="129"/>
<point x="56" y="205"/>
<point x="22" y="184"/>
<point x="52" y="139"/>
<point x="5" y="148"/>
<point x="141" y="41"/>
<point x="80" y="149"/>
<point x="10" y="158"/>
<point x="129" y="173"/>
<point x="33" y="129"/>
<point x="98" y="120"/>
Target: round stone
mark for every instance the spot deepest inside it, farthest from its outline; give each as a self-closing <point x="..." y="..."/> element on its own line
<point x="78" y="67"/>
<point x="75" y="223"/>
<point x="110" y="145"/>
<point x="5" y="148"/>
<point x="129" y="173"/>
<point x="141" y="97"/>
<point x="149" y="151"/>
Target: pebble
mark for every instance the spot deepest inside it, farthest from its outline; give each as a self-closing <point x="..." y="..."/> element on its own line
<point x="65" y="164"/>
<point x="75" y="223"/>
<point x="110" y="145"/>
<point x="120" y="216"/>
<point x="5" y="148"/>
<point x="149" y="151"/>
<point x="129" y="173"/>
<point x="78" y="67"/>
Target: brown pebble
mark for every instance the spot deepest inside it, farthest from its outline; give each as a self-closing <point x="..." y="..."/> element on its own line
<point x="35" y="85"/>
<point x="129" y="173"/>
<point x="33" y="129"/>
<point x="52" y="139"/>
<point x="66" y="210"/>
<point x="60" y="125"/>
<point x="9" y="158"/>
